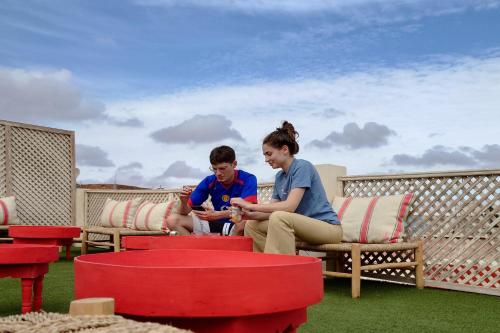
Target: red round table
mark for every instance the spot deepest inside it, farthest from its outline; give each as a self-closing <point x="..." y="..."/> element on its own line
<point x="195" y="242"/>
<point x="48" y="235"/>
<point x="205" y="290"/>
<point x="29" y="263"/>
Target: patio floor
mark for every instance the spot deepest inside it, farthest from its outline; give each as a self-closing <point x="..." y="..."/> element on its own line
<point x="383" y="307"/>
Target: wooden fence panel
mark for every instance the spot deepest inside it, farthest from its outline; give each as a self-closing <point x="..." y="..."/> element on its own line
<point x="95" y="199"/>
<point x="3" y="162"/>
<point x="457" y="214"/>
<point x="37" y="166"/>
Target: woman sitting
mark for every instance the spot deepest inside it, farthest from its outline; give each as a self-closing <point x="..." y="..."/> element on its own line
<point x="299" y="209"/>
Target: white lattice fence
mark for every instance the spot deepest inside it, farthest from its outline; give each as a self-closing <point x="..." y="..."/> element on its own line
<point x="457" y="214"/>
<point x="37" y="164"/>
<point x="3" y="166"/>
<point x="95" y="199"/>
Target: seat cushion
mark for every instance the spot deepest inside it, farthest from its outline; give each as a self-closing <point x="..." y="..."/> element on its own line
<point x="373" y="219"/>
<point x="153" y="216"/>
<point x="117" y="214"/>
<point x="8" y="213"/>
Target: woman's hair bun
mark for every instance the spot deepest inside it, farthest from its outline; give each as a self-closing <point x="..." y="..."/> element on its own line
<point x="286" y="135"/>
<point x="290" y="130"/>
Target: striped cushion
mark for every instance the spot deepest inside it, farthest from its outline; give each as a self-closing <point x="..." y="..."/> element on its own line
<point x="119" y="214"/>
<point x="151" y="216"/>
<point x="373" y="219"/>
<point x="8" y="213"/>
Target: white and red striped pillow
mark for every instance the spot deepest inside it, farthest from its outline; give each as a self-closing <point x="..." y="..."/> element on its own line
<point x="8" y="213"/>
<point x="151" y="216"/>
<point x="119" y="214"/>
<point x="373" y="219"/>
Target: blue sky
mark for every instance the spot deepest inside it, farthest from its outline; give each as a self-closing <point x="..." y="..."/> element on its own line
<point x="150" y="86"/>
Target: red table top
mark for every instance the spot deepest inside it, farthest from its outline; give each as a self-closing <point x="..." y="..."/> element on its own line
<point x="13" y="254"/>
<point x="38" y="231"/>
<point x="199" y="283"/>
<point x="206" y="242"/>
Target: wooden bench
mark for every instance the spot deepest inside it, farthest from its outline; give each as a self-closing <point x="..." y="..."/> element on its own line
<point x="114" y="237"/>
<point x="336" y="265"/>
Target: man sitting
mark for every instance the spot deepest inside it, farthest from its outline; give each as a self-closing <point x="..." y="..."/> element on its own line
<point x="226" y="182"/>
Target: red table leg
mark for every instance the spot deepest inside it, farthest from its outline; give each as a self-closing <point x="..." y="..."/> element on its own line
<point x="30" y="263"/>
<point x="27" y="292"/>
<point x="68" y="249"/>
<point x="37" y="291"/>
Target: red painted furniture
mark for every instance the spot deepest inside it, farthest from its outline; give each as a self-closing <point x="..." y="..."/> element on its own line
<point x="29" y="263"/>
<point x="48" y="235"/>
<point x="205" y="290"/>
<point x="195" y="242"/>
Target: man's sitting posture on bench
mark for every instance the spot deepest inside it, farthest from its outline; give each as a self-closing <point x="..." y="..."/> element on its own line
<point x="226" y="182"/>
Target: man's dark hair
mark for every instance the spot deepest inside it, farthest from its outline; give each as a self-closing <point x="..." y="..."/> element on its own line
<point x="222" y="154"/>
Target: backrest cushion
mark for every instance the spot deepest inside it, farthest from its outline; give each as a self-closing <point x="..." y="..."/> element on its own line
<point x="153" y="216"/>
<point x="8" y="213"/>
<point x="373" y="219"/>
<point x="119" y="214"/>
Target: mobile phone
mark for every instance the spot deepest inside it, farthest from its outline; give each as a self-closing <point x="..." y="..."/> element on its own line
<point x="197" y="208"/>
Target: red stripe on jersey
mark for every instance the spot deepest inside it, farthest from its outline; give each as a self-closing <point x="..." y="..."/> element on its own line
<point x="251" y="198"/>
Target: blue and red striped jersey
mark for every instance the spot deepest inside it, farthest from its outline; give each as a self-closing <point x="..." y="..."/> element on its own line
<point x="244" y="186"/>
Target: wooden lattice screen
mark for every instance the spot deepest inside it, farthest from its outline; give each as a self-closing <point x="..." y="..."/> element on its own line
<point x="95" y="199"/>
<point x="3" y="162"/>
<point x="457" y="214"/>
<point x="37" y="166"/>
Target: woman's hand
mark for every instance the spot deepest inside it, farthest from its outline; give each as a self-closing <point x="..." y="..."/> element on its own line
<point x="249" y="215"/>
<point x="241" y="203"/>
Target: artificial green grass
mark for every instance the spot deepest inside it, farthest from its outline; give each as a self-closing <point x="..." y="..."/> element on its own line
<point x="383" y="307"/>
<point x="386" y="307"/>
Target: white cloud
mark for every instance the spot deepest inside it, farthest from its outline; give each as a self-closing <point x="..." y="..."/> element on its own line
<point x="130" y="174"/>
<point x="359" y="9"/>
<point x="130" y="122"/>
<point x="329" y="113"/>
<point x="48" y="96"/>
<point x="372" y="135"/>
<point x="131" y="167"/>
<point x="92" y="156"/>
<point x="177" y="174"/>
<point x="487" y="156"/>
<point x="198" y="129"/>
<point x="180" y="169"/>
<point x="51" y="95"/>
<point x="457" y="98"/>
<point x="437" y="155"/>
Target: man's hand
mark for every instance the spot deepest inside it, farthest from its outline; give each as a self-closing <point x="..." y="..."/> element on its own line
<point x="240" y="203"/>
<point x="210" y="214"/>
<point x="185" y="193"/>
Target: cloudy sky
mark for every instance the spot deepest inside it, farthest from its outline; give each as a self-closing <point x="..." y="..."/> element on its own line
<point x="151" y="86"/>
